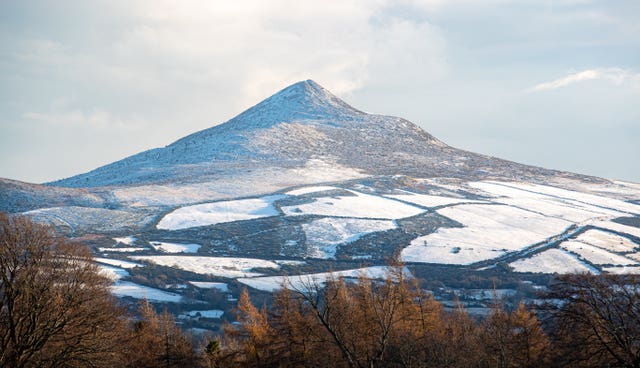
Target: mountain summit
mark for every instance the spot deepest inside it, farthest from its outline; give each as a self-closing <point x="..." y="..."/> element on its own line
<point x="300" y="101"/>
<point x="300" y="123"/>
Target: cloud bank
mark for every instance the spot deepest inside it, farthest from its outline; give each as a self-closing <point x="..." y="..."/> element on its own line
<point x="615" y="76"/>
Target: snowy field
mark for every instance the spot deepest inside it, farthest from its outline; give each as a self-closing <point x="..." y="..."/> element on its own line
<point x="596" y="255"/>
<point x="489" y="231"/>
<point x="133" y="290"/>
<point x="229" y="267"/>
<point x="219" y="212"/>
<point x="614" y="226"/>
<point x="358" y="205"/>
<point x="174" y="247"/>
<point x="608" y="241"/>
<point x="113" y="273"/>
<point x="121" y="250"/>
<point x="427" y="200"/>
<point x="324" y="235"/>
<point x="308" y="190"/>
<point x="552" y="261"/>
<point x="521" y="215"/>
<point x="623" y="270"/>
<point x="125" y="288"/>
<point x="599" y="201"/>
<point x="118" y="262"/>
<point x="126" y="240"/>
<point x="301" y="282"/>
<point x="553" y="206"/>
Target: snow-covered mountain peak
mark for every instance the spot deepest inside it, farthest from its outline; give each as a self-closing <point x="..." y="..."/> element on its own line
<point x="300" y="123"/>
<point x="302" y="101"/>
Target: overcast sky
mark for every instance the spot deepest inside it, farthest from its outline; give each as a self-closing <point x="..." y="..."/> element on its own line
<point x="548" y="83"/>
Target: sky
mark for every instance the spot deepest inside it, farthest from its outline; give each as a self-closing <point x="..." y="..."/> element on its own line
<point x="548" y="83"/>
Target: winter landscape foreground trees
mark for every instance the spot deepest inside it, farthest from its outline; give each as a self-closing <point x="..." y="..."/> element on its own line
<point x="56" y="311"/>
<point x="589" y="321"/>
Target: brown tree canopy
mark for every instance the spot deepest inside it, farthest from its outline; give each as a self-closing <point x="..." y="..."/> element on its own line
<point x="368" y="323"/>
<point x="55" y="307"/>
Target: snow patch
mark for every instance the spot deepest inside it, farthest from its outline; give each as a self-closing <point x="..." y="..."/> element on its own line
<point x="358" y="205"/>
<point x="113" y="273"/>
<point x="595" y="255"/>
<point x="127" y="240"/>
<point x="552" y="261"/>
<point x="118" y="262"/>
<point x="219" y="212"/>
<point x="308" y="190"/>
<point x="606" y="240"/>
<point x="175" y="247"/>
<point x="324" y="235"/>
<point x="614" y="226"/>
<point x="301" y="282"/>
<point x="563" y="208"/>
<point x="489" y="231"/>
<point x="125" y="288"/>
<point x="627" y="270"/>
<point x="121" y="250"/>
<point x="229" y="267"/>
<point x="427" y="200"/>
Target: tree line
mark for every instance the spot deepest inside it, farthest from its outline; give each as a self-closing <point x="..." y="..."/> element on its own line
<point x="56" y="311"/>
<point x="588" y="321"/>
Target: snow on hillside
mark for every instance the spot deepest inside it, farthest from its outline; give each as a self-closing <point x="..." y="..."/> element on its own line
<point x="113" y="273"/>
<point x="302" y="282"/>
<point x="595" y="255"/>
<point x="550" y="205"/>
<point x="489" y="231"/>
<point x="251" y="179"/>
<point x="174" y="247"/>
<point x="632" y="270"/>
<point x="552" y="261"/>
<point x="610" y="225"/>
<point x="118" y="262"/>
<point x="608" y="241"/>
<point x="324" y="235"/>
<point x="358" y="205"/>
<point x="121" y="249"/>
<point x="427" y="200"/>
<point x="229" y="267"/>
<point x="312" y="189"/>
<point x="219" y="212"/>
<point x="127" y="240"/>
<point x="599" y="201"/>
<point x="129" y="289"/>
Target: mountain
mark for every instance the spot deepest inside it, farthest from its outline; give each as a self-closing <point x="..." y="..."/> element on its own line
<point x="303" y="182"/>
<point x="301" y="122"/>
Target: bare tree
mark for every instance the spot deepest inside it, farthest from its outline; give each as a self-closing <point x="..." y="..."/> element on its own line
<point x="597" y="321"/>
<point x="55" y="307"/>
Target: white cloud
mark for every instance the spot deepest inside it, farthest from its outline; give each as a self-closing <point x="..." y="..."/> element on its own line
<point x="96" y="119"/>
<point x="616" y="76"/>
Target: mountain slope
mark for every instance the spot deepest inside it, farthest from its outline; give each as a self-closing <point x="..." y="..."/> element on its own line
<point x="301" y="122"/>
